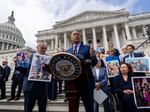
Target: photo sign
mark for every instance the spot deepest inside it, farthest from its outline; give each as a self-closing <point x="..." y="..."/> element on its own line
<point x="141" y="91"/>
<point x="112" y="68"/>
<point x="37" y="71"/>
<point x="139" y="64"/>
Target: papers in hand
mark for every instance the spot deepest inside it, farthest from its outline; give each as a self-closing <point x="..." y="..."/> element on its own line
<point x="99" y="96"/>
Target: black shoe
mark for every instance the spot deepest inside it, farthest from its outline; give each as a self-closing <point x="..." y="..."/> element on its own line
<point x="17" y="98"/>
<point x="2" y="97"/>
<point x="10" y="99"/>
<point x="65" y="100"/>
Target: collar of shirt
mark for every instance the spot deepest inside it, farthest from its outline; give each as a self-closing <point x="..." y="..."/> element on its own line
<point x="78" y="46"/>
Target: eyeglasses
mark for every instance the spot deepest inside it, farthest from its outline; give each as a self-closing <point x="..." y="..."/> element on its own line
<point x="76" y="34"/>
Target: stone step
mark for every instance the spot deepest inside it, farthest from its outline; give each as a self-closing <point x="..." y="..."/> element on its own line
<point x="59" y="97"/>
<point x="16" y="108"/>
<point x="58" y="102"/>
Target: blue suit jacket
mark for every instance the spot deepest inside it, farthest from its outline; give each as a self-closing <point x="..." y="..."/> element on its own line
<point x="86" y="68"/>
<point x="102" y="79"/>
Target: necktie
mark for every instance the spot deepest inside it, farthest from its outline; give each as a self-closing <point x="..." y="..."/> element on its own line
<point x="75" y="49"/>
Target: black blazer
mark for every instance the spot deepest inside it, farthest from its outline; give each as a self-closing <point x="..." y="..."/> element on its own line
<point x="139" y="54"/>
<point x="7" y="72"/>
<point x="2" y="74"/>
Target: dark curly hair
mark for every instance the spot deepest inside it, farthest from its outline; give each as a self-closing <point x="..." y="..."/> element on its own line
<point x="130" y="72"/>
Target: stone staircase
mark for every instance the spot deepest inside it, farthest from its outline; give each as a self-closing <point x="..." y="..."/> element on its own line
<point x="53" y="106"/>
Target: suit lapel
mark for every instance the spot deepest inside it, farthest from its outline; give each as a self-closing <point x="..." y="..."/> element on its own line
<point x="94" y="72"/>
<point x="80" y="49"/>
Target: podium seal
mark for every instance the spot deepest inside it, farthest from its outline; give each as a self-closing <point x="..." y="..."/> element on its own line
<point x="65" y="66"/>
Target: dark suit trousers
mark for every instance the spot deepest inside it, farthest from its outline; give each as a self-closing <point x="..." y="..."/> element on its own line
<point x="39" y="93"/>
<point x="16" y="82"/>
<point x="128" y="104"/>
<point x="3" y="88"/>
<point x="85" y="91"/>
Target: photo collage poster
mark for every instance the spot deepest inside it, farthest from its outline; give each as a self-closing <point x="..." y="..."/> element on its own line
<point x="141" y="91"/>
<point x="36" y="70"/>
<point x="112" y="68"/>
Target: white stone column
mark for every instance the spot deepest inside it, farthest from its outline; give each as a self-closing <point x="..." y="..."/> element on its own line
<point x="134" y="32"/>
<point x="84" y="36"/>
<point x="127" y="31"/>
<point x="12" y="46"/>
<point x="113" y="40"/>
<point x="2" y="45"/>
<point x="7" y="45"/>
<point x="124" y="37"/>
<point x="56" y="41"/>
<point x="116" y="36"/>
<point x="60" y="43"/>
<point x="94" y="38"/>
<point x="65" y="40"/>
<point x="105" y="42"/>
<point x="52" y="43"/>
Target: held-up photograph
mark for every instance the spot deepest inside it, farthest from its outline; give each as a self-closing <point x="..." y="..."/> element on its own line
<point x="141" y="90"/>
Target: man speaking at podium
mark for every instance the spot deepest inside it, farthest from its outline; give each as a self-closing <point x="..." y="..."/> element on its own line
<point x="82" y="86"/>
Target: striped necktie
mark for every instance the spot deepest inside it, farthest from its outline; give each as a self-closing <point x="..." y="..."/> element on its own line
<point x="75" y="49"/>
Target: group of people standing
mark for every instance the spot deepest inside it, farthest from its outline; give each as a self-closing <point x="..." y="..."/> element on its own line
<point x="4" y="74"/>
<point x="93" y="76"/>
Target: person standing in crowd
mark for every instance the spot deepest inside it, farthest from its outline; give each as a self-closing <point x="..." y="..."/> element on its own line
<point x="124" y="53"/>
<point x="7" y="71"/>
<point x="52" y="88"/>
<point x="2" y="82"/>
<point x="122" y="85"/>
<point x="101" y="81"/>
<point x="21" y="65"/>
<point x="35" y="90"/>
<point x="111" y="46"/>
<point x="84" y="84"/>
<point x="131" y="53"/>
<point x="111" y="55"/>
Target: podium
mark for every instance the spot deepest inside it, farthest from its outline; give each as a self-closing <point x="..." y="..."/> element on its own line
<point x="66" y="66"/>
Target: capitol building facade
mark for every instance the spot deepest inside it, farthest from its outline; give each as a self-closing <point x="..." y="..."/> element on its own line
<point x="98" y="28"/>
<point x="11" y="41"/>
<point x="10" y="35"/>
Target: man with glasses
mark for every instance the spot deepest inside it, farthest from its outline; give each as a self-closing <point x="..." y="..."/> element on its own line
<point x="35" y="90"/>
<point x="82" y="86"/>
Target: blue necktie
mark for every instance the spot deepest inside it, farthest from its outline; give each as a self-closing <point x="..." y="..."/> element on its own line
<point x="75" y="49"/>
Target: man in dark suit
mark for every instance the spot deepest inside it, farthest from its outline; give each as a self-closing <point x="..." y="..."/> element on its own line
<point x="35" y="90"/>
<point x="131" y="54"/>
<point x="2" y="82"/>
<point x="18" y="75"/>
<point x="7" y="71"/>
<point x="82" y="86"/>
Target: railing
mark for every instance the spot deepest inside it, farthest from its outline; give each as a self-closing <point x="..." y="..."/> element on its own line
<point x="147" y="41"/>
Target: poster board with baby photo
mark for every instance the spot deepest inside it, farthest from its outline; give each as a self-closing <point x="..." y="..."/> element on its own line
<point x="139" y="64"/>
<point x="36" y="70"/>
<point x="141" y="91"/>
<point x="112" y="68"/>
